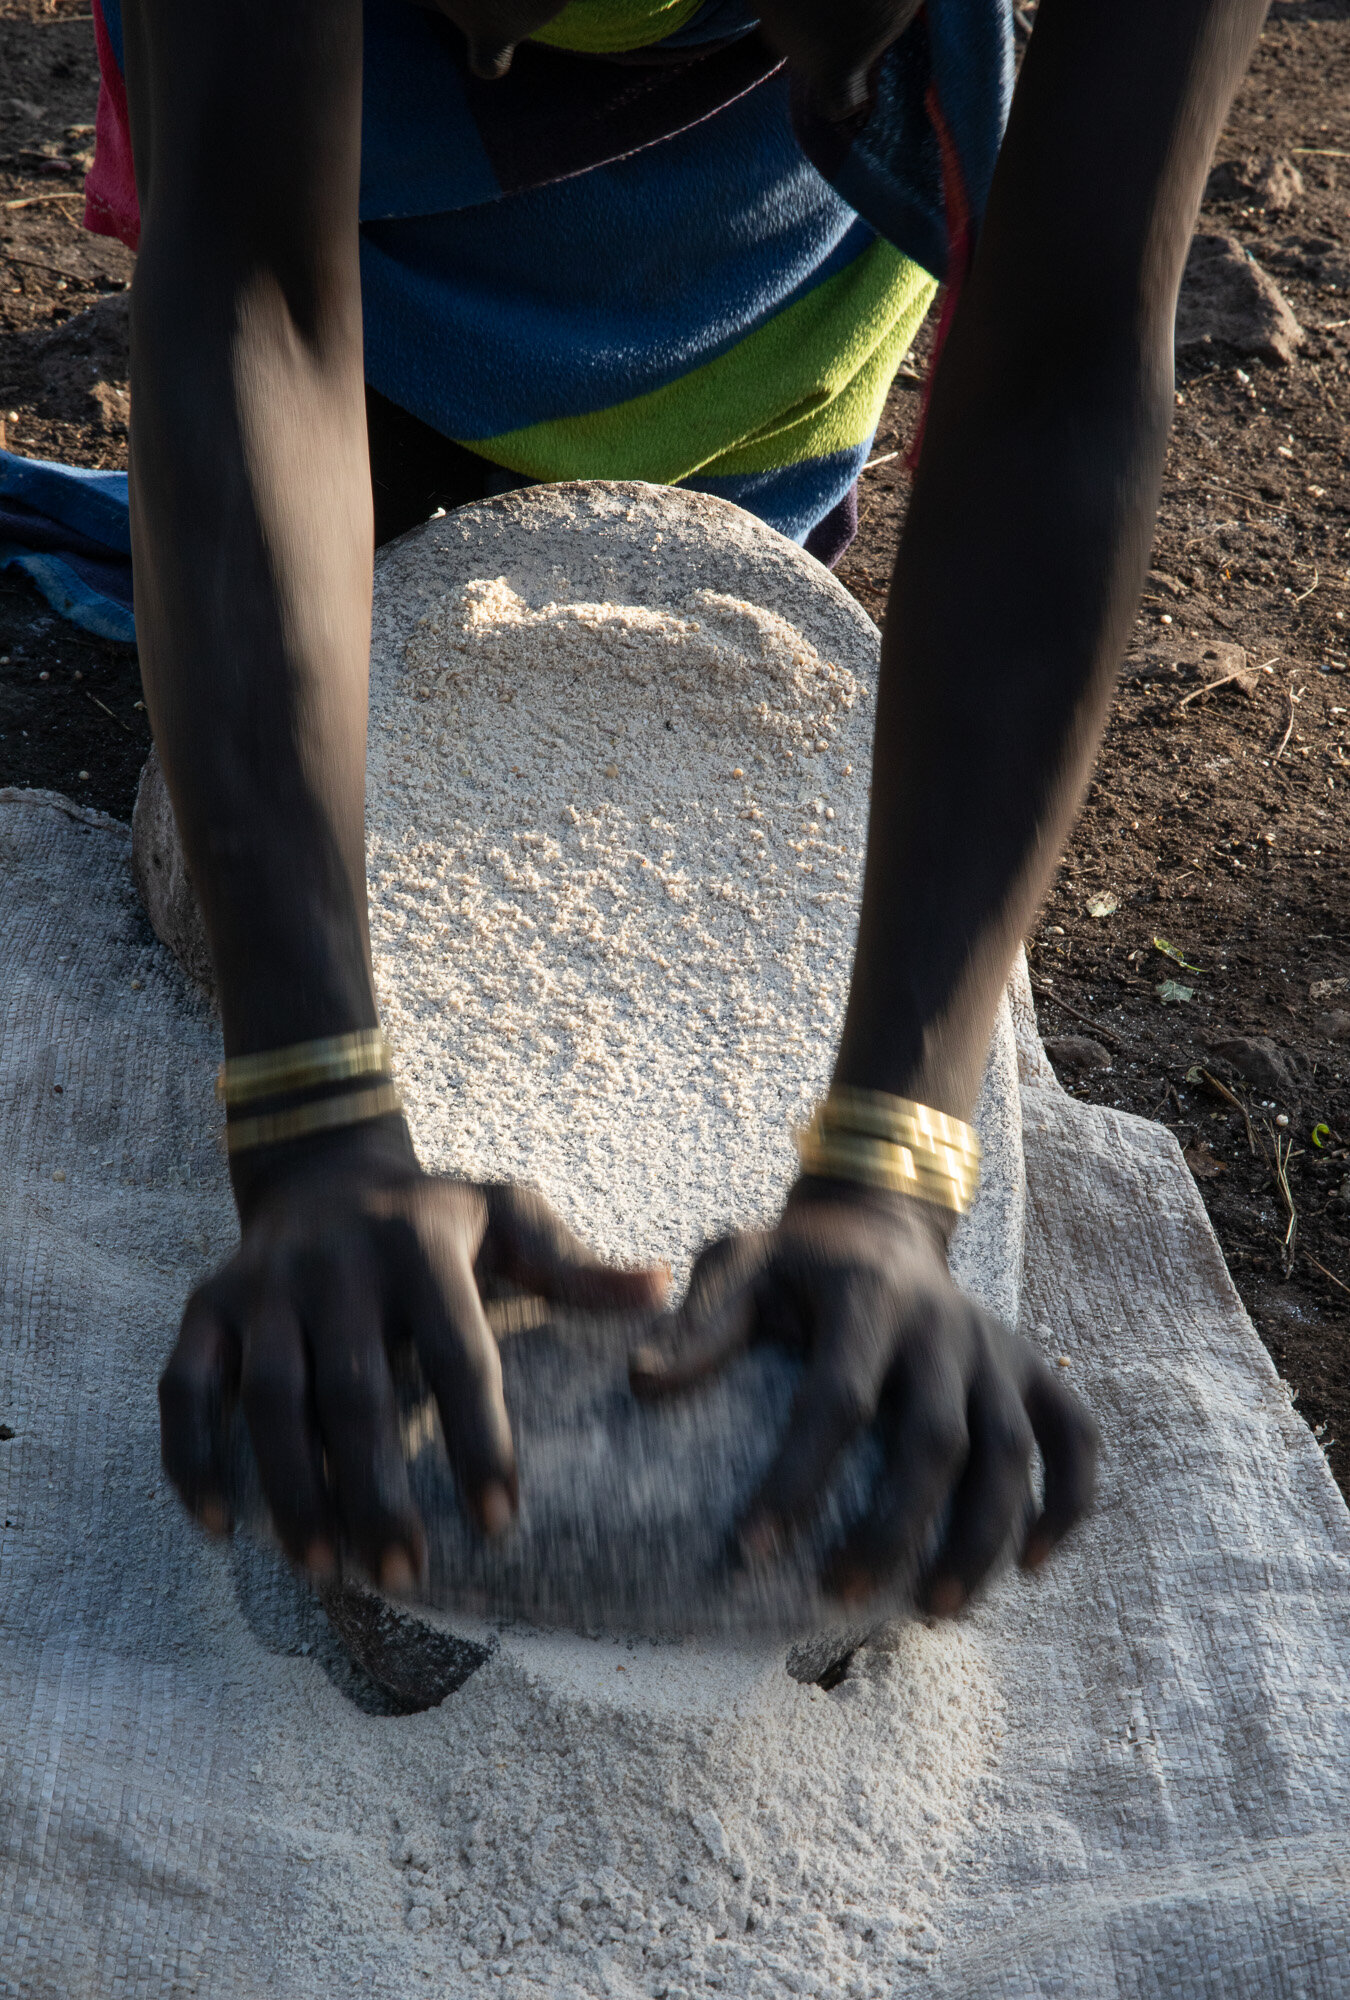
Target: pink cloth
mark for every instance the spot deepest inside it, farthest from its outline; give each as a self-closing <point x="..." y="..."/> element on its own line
<point x="110" y="204"/>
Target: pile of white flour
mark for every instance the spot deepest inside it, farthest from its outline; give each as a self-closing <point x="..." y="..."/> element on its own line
<point x="589" y="1818"/>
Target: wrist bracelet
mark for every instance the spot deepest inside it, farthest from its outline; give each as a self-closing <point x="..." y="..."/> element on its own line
<point x="326" y="1114"/>
<point x="889" y="1142"/>
<point x="303" y="1066"/>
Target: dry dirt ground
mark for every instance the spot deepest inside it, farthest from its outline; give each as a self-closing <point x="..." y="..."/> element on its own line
<point x="1193" y="960"/>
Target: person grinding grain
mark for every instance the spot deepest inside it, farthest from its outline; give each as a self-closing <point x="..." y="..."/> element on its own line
<point x="429" y="252"/>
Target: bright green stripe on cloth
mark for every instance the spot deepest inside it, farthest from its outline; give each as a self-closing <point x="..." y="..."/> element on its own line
<point x="612" y="27"/>
<point x="811" y="381"/>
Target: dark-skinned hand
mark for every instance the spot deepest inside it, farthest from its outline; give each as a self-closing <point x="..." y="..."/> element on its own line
<point x="857" y="1284"/>
<point x="343" y="1256"/>
<point x="830" y="48"/>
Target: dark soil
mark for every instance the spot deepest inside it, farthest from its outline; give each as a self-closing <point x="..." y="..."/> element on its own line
<point x="1216" y="819"/>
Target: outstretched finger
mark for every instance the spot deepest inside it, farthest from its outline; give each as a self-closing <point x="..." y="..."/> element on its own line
<point x="991" y="1500"/>
<point x="530" y="1244"/>
<point x="1068" y="1439"/>
<point x="358" y="1417"/>
<point x="199" y="1383"/>
<point x="459" y="1357"/>
<point x="927" y="1446"/>
<point x="837" y="1398"/>
<point x="716" y="1321"/>
<point x="278" y="1403"/>
<point x="655" y="1371"/>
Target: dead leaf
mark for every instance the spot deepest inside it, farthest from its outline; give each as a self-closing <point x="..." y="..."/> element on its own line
<point x="1203" y="1161"/>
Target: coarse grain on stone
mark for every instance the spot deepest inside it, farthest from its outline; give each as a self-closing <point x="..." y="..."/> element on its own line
<point x="617" y="801"/>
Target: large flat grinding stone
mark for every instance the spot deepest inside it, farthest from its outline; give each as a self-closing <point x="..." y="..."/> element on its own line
<point x="620" y="739"/>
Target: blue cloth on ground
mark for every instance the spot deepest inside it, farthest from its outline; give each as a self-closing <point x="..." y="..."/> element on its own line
<point x="69" y="530"/>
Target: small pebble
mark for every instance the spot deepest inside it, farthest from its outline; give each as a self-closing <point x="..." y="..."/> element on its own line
<point x="82" y="775"/>
<point x="1166" y="618"/>
<point x="611" y="770"/>
<point x="1282" y="1118"/>
<point x="137" y="986"/>
<point x="79" y="675"/>
<point x="58" y="1173"/>
<point x="1062" y="1361"/>
<point x="738" y="772"/>
<point x="44" y="675"/>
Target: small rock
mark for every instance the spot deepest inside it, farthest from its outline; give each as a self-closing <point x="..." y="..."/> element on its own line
<point x="1077" y="1052"/>
<point x="160" y="871"/>
<point x="1227" y="297"/>
<point x="1335" y="1026"/>
<point x="1282" y="1072"/>
<point x="1277" y="184"/>
<point x="1273" y="180"/>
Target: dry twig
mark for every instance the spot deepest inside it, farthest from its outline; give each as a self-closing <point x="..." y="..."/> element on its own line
<point x="1291" y="698"/>
<point x="107" y="711"/>
<point x="1284" y="1152"/>
<point x="1325" y="1273"/>
<point x="1066" y="1007"/>
<point x="1224" y="679"/>
<point x="1220" y="1089"/>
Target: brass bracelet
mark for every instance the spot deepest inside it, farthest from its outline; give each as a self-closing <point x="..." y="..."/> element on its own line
<point x="303" y="1066"/>
<point x="889" y="1142"/>
<point x="326" y="1114"/>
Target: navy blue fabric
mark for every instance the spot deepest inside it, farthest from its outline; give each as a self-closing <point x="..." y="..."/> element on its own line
<point x="478" y="328"/>
<point x="93" y="503"/>
<point x="112" y="20"/>
<point x="435" y="138"/>
<point x="69" y="531"/>
<point x="795" y="499"/>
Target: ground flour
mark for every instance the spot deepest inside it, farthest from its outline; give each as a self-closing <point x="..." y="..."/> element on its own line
<point x="614" y="855"/>
<point x="602" y="1818"/>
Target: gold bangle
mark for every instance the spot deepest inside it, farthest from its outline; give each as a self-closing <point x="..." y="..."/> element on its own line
<point x="326" y="1114"/>
<point x="878" y="1115"/>
<point x="889" y="1142"/>
<point x="303" y="1066"/>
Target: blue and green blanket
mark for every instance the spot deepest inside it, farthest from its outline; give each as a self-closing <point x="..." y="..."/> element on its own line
<point x="641" y="254"/>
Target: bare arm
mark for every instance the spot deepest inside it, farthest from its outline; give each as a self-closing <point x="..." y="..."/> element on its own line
<point x="251" y="494"/>
<point x="1024" y="550"/>
<point x="1017" y="576"/>
<point x="252" y="537"/>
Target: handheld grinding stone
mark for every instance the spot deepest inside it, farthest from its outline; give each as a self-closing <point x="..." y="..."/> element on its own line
<point x="617" y="794"/>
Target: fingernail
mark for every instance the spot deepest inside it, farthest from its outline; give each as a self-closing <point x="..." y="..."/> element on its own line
<point x="396" y="1572"/>
<point x="945" y="1596"/>
<point x="321" y="1559"/>
<point x="214" y="1518"/>
<point x="495" y="1509"/>
<point x="1037" y="1548"/>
